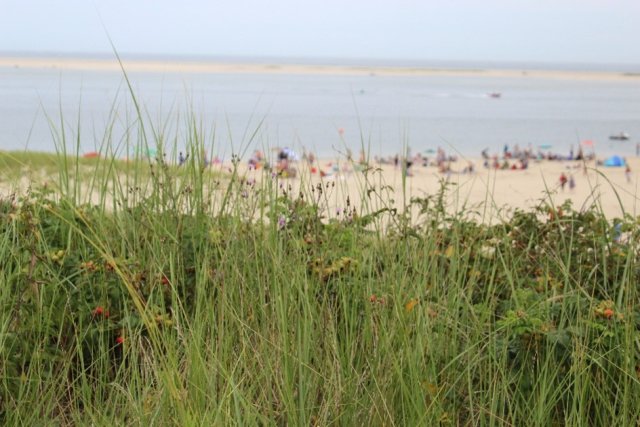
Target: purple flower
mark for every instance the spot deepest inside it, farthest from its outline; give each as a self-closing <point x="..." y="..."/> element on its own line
<point x="282" y="221"/>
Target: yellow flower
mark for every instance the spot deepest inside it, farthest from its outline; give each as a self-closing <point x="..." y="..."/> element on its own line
<point x="449" y="252"/>
<point x="411" y="305"/>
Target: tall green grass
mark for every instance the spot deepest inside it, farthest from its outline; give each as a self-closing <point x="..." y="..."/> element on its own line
<point x="145" y="293"/>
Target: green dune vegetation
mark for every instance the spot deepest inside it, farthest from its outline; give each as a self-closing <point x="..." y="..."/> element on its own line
<point x="130" y="295"/>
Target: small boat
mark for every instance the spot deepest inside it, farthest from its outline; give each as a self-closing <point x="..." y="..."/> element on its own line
<point x="622" y="136"/>
<point x="495" y="95"/>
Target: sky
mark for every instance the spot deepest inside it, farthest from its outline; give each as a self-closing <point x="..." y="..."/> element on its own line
<point x="558" y="31"/>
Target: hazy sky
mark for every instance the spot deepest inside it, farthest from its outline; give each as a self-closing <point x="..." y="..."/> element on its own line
<point x="592" y="31"/>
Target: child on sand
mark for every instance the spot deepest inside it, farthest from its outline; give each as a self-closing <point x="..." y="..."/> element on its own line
<point x="563" y="180"/>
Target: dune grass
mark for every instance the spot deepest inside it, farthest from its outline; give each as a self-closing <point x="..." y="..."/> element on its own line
<point x="152" y="302"/>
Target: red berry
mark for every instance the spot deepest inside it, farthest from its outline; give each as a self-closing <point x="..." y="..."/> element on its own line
<point x="98" y="311"/>
<point x="119" y="340"/>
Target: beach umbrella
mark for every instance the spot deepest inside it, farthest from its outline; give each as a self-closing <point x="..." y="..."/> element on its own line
<point x="91" y="155"/>
<point x="614" y="161"/>
<point x="587" y="143"/>
<point x="145" y="152"/>
<point x="545" y="146"/>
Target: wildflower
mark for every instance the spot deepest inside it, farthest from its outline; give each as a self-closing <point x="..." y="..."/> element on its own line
<point x="282" y="221"/>
<point x="449" y="251"/>
<point x="487" y="252"/>
<point x="120" y="339"/>
<point x="89" y="266"/>
<point x="373" y="298"/>
<point x="608" y="313"/>
<point x="411" y="305"/>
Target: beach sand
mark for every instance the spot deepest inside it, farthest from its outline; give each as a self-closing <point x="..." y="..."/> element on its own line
<point x="486" y="194"/>
<point x="173" y="66"/>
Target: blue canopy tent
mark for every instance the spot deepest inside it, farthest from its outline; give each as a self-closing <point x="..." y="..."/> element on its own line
<point x="614" y="161"/>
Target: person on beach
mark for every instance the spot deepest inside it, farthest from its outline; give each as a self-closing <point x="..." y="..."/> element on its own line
<point x="470" y="168"/>
<point x="441" y="157"/>
<point x="572" y="182"/>
<point x="563" y="180"/>
<point x="408" y="163"/>
<point x="495" y="164"/>
<point x="627" y="173"/>
<point x="181" y="159"/>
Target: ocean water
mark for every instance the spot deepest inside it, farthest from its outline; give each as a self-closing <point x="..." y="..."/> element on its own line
<point x="326" y="114"/>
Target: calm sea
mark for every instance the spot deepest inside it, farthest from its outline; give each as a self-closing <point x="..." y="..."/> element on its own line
<point x="322" y="113"/>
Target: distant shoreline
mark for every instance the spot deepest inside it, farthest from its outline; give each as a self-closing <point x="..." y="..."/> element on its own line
<point x="231" y="67"/>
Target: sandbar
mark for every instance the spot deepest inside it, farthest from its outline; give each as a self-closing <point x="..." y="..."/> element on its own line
<point x="223" y="67"/>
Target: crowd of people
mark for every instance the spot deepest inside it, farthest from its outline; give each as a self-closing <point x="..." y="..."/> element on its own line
<point x="508" y="159"/>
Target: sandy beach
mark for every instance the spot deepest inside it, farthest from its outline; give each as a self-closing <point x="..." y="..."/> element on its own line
<point x="486" y="193"/>
<point x="134" y="65"/>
